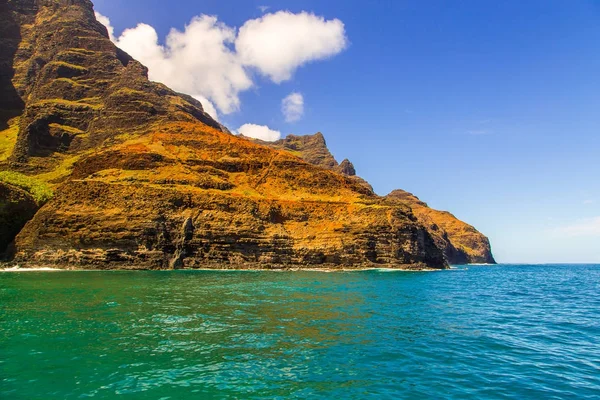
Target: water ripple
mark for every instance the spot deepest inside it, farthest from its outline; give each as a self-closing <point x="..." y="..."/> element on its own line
<point x="505" y="332"/>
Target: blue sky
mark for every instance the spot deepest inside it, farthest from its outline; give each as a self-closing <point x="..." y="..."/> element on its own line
<point x="488" y="109"/>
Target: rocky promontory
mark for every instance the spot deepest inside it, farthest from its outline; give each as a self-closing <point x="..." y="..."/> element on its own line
<point x="461" y="243"/>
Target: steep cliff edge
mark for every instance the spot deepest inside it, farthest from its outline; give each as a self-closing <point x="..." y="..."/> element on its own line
<point x="461" y="243"/>
<point x="145" y="179"/>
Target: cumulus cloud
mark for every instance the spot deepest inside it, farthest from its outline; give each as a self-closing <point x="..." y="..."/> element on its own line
<point x="584" y="227"/>
<point x="261" y="132"/>
<point x="214" y="62"/>
<point x="293" y="107"/>
<point x="197" y="61"/>
<point x="277" y="44"/>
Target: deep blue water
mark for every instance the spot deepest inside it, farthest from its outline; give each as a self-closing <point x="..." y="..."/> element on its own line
<point x="509" y="331"/>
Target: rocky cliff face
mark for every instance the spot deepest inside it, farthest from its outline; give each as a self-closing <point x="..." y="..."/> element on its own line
<point x="188" y="195"/>
<point x="313" y="149"/>
<point x="461" y="243"/>
<point x="144" y="178"/>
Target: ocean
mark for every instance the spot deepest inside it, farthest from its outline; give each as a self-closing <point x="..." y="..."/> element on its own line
<point x="473" y="332"/>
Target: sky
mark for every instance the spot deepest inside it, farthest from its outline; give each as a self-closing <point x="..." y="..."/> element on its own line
<point x="488" y="109"/>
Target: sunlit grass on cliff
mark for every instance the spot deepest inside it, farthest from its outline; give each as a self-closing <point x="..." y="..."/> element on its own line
<point x="39" y="190"/>
<point x="62" y="171"/>
<point x="8" y="138"/>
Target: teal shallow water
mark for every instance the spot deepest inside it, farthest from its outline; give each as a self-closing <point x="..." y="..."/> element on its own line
<point x="479" y="332"/>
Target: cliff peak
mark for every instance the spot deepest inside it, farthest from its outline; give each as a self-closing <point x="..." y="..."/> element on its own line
<point x="347" y="168"/>
<point x="311" y="148"/>
<point x="406" y="196"/>
<point x="72" y="87"/>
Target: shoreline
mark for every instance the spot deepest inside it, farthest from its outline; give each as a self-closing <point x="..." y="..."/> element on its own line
<point x="295" y="269"/>
<point x="43" y="267"/>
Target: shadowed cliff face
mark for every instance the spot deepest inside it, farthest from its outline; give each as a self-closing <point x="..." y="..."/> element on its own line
<point x="11" y="103"/>
<point x="16" y="208"/>
<point x="144" y="178"/>
<point x="312" y="149"/>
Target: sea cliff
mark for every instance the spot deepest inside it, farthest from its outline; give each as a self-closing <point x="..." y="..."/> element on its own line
<point x="142" y="178"/>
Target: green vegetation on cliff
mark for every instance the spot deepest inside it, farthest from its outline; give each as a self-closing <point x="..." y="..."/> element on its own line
<point x="8" y="138"/>
<point x="39" y="190"/>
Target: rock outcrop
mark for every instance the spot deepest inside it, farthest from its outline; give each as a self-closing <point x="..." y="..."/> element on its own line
<point x="347" y="168"/>
<point x="313" y="149"/>
<point x="143" y="178"/>
<point x="461" y="243"/>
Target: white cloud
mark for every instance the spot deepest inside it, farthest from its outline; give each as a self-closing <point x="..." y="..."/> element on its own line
<point x="196" y="61"/>
<point x="293" y="107"/>
<point x="588" y="201"/>
<point x="106" y="22"/>
<point x="584" y="227"/>
<point x="201" y="60"/>
<point x="263" y="9"/>
<point x="261" y="132"/>
<point x="277" y="44"/>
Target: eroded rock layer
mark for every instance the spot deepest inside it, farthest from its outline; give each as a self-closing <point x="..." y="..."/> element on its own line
<point x="191" y="196"/>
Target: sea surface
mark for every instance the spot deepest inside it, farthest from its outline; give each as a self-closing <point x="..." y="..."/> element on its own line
<point x="475" y="332"/>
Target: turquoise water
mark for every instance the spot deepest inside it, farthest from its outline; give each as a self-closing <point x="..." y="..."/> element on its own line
<point x="521" y="332"/>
